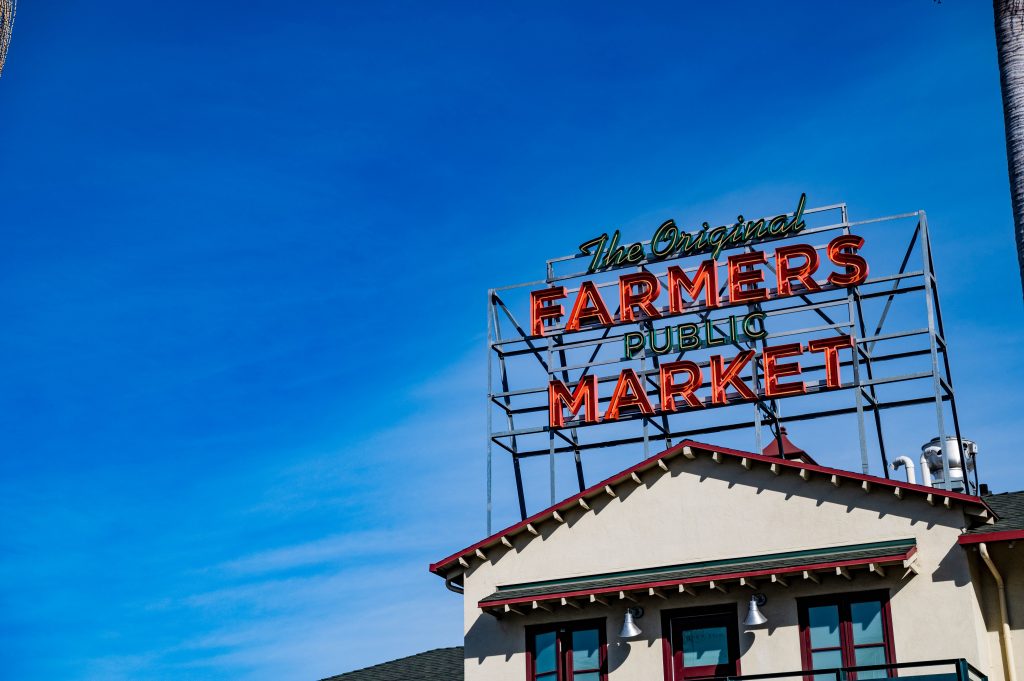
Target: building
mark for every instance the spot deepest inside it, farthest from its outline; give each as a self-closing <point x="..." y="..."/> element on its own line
<point x="442" y="663"/>
<point x="667" y="569"/>
<point x="704" y="562"/>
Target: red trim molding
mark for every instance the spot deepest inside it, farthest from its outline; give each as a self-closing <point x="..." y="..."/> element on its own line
<point x="441" y="566"/>
<point x="702" y="580"/>
<point x="1005" y="535"/>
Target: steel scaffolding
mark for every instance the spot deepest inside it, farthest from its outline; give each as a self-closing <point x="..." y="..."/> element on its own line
<point x="888" y="368"/>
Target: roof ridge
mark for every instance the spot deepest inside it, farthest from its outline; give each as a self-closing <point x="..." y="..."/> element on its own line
<point x="682" y="447"/>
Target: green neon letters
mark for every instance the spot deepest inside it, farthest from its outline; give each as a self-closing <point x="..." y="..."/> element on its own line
<point x="668" y="241"/>
<point x="690" y="336"/>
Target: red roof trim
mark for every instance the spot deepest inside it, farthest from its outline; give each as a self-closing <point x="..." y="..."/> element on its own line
<point x="899" y="557"/>
<point x="1005" y="535"/>
<point x="672" y="451"/>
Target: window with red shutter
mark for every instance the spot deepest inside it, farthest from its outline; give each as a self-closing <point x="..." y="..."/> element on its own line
<point x="568" y="651"/>
<point x="847" y="630"/>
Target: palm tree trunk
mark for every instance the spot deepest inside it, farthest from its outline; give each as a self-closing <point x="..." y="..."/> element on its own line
<point x="7" y="8"/>
<point x="1009" y="15"/>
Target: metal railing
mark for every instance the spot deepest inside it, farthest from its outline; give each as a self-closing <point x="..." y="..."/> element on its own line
<point x="936" y="670"/>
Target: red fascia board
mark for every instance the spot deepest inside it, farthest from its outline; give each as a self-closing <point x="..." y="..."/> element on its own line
<point x="1005" y="535"/>
<point x="850" y="475"/>
<point x="899" y="557"/>
<point x="562" y="505"/>
<point x="672" y="451"/>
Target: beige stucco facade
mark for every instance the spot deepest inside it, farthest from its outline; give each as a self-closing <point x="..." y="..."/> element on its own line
<point x="702" y="510"/>
<point x="1009" y="560"/>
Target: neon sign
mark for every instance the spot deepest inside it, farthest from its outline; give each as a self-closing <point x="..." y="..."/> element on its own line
<point x="640" y="296"/>
<point x="725" y="328"/>
<point x="669" y="241"/>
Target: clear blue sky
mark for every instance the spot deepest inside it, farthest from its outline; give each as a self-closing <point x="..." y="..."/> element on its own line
<point x="202" y="203"/>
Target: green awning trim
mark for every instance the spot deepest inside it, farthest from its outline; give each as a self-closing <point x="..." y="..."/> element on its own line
<point x="710" y="568"/>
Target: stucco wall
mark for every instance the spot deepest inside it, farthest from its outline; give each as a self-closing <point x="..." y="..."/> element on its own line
<point x="1010" y="563"/>
<point x="701" y="511"/>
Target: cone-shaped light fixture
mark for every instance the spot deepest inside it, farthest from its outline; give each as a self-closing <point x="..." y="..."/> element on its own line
<point x="629" y="628"/>
<point x="754" y="616"/>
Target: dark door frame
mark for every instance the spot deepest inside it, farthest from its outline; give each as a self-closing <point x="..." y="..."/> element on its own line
<point x="667" y="638"/>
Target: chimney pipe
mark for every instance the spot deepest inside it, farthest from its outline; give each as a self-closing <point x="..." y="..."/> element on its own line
<point x="905" y="462"/>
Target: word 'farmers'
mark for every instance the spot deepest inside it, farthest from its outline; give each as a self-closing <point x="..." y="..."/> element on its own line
<point x="639" y="291"/>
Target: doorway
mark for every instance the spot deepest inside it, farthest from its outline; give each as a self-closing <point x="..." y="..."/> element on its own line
<point x="701" y="643"/>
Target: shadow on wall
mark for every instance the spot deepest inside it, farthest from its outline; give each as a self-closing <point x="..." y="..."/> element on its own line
<point x="493" y="637"/>
<point x="953" y="567"/>
<point x="618" y="650"/>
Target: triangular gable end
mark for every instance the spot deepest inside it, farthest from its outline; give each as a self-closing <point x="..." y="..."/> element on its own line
<point x="733" y="461"/>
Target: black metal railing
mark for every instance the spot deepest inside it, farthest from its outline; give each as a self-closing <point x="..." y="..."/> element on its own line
<point x="935" y="670"/>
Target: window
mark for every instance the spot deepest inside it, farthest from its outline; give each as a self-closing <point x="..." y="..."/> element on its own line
<point x="700" y="643"/>
<point x="847" y="630"/>
<point x="572" y="651"/>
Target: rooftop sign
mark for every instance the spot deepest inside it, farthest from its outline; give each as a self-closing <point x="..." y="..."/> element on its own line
<point x="627" y="343"/>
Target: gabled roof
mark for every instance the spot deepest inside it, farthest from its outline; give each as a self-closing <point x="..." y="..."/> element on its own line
<point x="441" y="664"/>
<point x="690" y="449"/>
<point x="1009" y="507"/>
<point x="652" y="581"/>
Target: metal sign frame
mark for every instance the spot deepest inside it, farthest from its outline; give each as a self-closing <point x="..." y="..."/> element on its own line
<point x="512" y="410"/>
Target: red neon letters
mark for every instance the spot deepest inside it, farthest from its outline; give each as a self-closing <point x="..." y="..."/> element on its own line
<point x="679" y="383"/>
<point x="773" y="371"/>
<point x="842" y="251"/>
<point x="585" y="396"/>
<point x="589" y="305"/>
<point x="705" y="278"/>
<point x="629" y="297"/>
<point x="745" y="278"/>
<point x="795" y="267"/>
<point x="539" y="312"/>
<point x="786" y="272"/>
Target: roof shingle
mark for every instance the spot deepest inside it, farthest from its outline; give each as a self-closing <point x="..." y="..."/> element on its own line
<point x="1009" y="506"/>
<point x="441" y="664"/>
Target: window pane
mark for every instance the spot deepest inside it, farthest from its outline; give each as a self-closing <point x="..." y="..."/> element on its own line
<point x="872" y="655"/>
<point x="866" y="619"/>
<point x="702" y="647"/>
<point x="585" y="650"/>
<point x="826" y="660"/>
<point x="824" y="625"/>
<point x="545" y="659"/>
<point x="589" y="676"/>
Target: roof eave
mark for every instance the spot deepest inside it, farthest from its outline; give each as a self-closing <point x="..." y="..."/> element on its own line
<point x="902" y="557"/>
<point x="984" y="537"/>
<point x="688" y="448"/>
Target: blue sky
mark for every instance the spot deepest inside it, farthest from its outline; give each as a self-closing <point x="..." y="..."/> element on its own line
<point x="205" y="210"/>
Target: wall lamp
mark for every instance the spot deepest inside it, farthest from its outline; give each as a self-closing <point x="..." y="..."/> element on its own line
<point x="754" y="616"/>
<point x="629" y="628"/>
